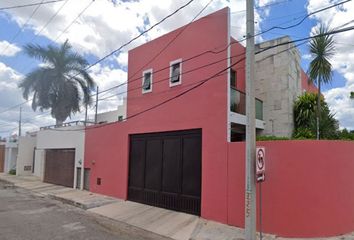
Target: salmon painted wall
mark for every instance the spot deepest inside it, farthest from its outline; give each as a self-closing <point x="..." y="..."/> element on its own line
<point x="305" y="85"/>
<point x="204" y="107"/>
<point x="308" y="192"/>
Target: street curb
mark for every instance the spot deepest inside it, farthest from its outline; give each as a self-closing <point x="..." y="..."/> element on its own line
<point x="69" y="202"/>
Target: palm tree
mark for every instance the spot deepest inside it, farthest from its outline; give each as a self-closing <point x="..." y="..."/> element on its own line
<point x="60" y="84"/>
<point x="320" y="70"/>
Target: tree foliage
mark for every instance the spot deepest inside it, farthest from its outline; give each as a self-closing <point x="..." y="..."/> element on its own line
<point x="320" y="70"/>
<point x="346" y="135"/>
<point x="305" y="118"/>
<point x="60" y="84"/>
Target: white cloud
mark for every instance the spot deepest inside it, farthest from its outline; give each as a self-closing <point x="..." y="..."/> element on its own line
<point x="306" y="56"/>
<point x="107" y="78"/>
<point x="7" y="49"/>
<point x="122" y="59"/>
<point x="104" y="26"/>
<point x="338" y="98"/>
<point x="262" y="3"/>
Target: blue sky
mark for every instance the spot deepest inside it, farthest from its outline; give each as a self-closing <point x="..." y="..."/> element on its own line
<point x="106" y="25"/>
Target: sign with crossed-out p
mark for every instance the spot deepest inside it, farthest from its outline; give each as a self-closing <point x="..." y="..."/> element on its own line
<point x="260" y="164"/>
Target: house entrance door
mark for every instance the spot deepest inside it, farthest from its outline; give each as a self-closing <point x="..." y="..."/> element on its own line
<point x="165" y="170"/>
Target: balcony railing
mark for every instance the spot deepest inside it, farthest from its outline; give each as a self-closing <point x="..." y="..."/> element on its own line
<point x="68" y="124"/>
<point x="238" y="103"/>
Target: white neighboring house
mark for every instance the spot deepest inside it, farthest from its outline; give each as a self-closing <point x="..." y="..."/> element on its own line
<point x="113" y="116"/>
<point x="60" y="141"/>
<point x="55" y="154"/>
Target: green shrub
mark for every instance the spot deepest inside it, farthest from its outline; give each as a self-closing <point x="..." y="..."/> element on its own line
<point x="304" y="133"/>
<point x="346" y="135"/>
<point x="12" y="172"/>
<point x="271" y="138"/>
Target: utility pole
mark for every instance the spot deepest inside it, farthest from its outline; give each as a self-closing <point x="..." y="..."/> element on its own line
<point x="96" y="104"/>
<point x="250" y="183"/>
<point x="85" y="115"/>
<point x="20" y="123"/>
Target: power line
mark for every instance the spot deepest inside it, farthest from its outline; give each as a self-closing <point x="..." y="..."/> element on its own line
<point x="233" y="42"/>
<point x="264" y="6"/>
<point x="200" y="54"/>
<point x="116" y="50"/>
<point x="18" y="105"/>
<point x="127" y="43"/>
<point x="174" y="38"/>
<point x="79" y="15"/>
<point x="47" y="23"/>
<point x="311" y="37"/>
<point x="50" y="19"/>
<point x="141" y="34"/>
<point x="23" y="26"/>
<point x="185" y="72"/>
<point x="303" y="19"/>
<point x="213" y="76"/>
<point x="30" y="5"/>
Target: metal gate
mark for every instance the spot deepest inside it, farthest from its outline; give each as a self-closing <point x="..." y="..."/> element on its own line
<point x="2" y="158"/>
<point x="165" y="170"/>
<point x="59" y="167"/>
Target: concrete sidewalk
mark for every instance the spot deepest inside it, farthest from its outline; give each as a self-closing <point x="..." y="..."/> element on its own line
<point x="175" y="225"/>
<point x="82" y="199"/>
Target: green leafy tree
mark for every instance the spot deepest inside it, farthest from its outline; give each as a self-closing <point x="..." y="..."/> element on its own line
<point x="320" y="70"/>
<point x="305" y="114"/>
<point x="351" y="95"/>
<point x="346" y="135"/>
<point x="61" y="84"/>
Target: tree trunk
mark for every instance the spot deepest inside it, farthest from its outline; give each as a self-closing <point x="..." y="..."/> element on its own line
<point x="318" y="109"/>
<point x="58" y="122"/>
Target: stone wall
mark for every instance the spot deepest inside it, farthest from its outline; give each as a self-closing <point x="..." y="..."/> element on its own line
<point x="278" y="83"/>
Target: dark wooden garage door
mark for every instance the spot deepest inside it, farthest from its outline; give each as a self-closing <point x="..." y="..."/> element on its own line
<point x="165" y="170"/>
<point x="59" y="167"/>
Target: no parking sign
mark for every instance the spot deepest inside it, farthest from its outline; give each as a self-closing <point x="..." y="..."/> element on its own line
<point x="260" y="164"/>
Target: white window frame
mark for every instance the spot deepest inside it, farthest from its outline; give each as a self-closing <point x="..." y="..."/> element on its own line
<point x="143" y="78"/>
<point x="180" y="72"/>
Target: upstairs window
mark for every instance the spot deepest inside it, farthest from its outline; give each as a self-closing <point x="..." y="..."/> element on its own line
<point x="175" y="72"/>
<point x="147" y="81"/>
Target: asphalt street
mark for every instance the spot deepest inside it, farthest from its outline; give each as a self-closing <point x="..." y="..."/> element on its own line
<point x="24" y="216"/>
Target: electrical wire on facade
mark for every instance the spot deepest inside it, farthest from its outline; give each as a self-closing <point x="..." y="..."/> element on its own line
<point x="231" y="43"/>
<point x="337" y="31"/>
<point x="127" y="43"/>
<point x="198" y="55"/>
<point x="44" y="27"/>
<point x="202" y="82"/>
<point x="73" y="21"/>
